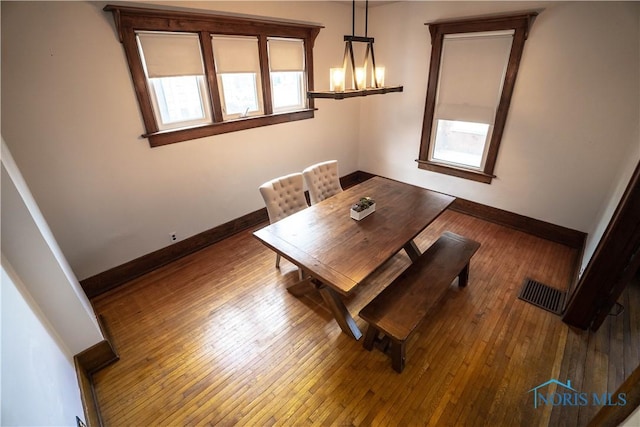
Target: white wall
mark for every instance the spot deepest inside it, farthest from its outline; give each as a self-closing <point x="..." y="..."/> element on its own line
<point x="633" y="420"/>
<point x="29" y="245"/>
<point x="608" y="208"/>
<point x="72" y="122"/>
<point x="38" y="380"/>
<point x="45" y="316"/>
<point x="610" y="204"/>
<point x="573" y="121"/>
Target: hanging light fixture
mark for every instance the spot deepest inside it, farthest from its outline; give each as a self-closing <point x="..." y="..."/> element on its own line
<point x="337" y="76"/>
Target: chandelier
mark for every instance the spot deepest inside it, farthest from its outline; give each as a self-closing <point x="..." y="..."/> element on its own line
<point x="338" y="89"/>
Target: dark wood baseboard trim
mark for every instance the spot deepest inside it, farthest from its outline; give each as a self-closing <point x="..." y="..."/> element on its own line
<point x="86" y="364"/>
<point x="101" y="354"/>
<point x="89" y="404"/>
<point x="355" y="178"/>
<point x="107" y="280"/>
<point x="545" y="230"/>
<point x="112" y="278"/>
<point x="555" y="233"/>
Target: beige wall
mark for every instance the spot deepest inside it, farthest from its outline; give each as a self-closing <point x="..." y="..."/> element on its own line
<point x="573" y="121"/>
<point x="71" y="120"/>
<point x="70" y="117"/>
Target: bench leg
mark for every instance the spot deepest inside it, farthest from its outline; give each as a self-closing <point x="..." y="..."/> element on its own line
<point x="397" y="355"/>
<point x="463" y="277"/>
<point x="370" y="337"/>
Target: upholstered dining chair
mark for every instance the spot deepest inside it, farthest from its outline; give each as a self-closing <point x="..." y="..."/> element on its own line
<point x="322" y="180"/>
<point x="283" y="196"/>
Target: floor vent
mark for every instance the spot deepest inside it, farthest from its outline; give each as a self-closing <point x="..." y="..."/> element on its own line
<point x="542" y="295"/>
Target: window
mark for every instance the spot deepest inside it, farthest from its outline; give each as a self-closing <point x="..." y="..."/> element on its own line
<point x="238" y="72"/>
<point x="197" y="74"/>
<point x="173" y="67"/>
<point x="472" y="73"/>
<point x="286" y="70"/>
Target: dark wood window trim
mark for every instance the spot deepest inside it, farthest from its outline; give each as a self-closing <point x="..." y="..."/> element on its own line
<point x="520" y="24"/>
<point x="128" y="20"/>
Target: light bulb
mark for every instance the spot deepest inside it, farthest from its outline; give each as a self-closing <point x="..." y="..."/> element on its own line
<point x="379" y="77"/>
<point x="336" y="80"/>
<point x="361" y="77"/>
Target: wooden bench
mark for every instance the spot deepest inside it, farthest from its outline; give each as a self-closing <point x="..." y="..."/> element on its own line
<point x="398" y="310"/>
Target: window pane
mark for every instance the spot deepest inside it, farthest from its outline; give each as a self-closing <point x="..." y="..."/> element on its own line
<point x="287" y="90"/>
<point x="240" y="93"/>
<point x="178" y="99"/>
<point x="460" y="142"/>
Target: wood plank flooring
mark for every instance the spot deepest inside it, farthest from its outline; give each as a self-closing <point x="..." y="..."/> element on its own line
<point x="601" y="361"/>
<point x="215" y="339"/>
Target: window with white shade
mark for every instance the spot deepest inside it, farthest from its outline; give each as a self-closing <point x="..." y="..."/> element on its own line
<point x="238" y="72"/>
<point x="175" y="72"/>
<point x="472" y="73"/>
<point x="197" y="74"/>
<point x="286" y="71"/>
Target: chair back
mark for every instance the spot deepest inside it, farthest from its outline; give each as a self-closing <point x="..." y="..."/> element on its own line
<point x="283" y="196"/>
<point x="322" y="180"/>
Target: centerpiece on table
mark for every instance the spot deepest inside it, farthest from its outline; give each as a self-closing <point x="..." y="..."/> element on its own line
<point x="364" y="207"/>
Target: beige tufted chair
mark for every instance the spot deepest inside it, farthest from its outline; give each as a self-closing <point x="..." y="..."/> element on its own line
<point x="283" y="196"/>
<point x="322" y="180"/>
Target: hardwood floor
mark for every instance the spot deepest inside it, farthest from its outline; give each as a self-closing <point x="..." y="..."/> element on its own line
<point x="601" y="361"/>
<point x="215" y="339"/>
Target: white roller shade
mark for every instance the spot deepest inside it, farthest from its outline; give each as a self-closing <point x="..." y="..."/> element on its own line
<point x="236" y="54"/>
<point x="286" y="54"/>
<point x="472" y="71"/>
<point x="171" y="54"/>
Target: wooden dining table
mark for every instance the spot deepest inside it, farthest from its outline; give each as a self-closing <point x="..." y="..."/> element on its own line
<point x="337" y="253"/>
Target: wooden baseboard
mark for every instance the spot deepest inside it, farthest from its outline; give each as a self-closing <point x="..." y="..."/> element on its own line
<point x="355" y="178"/>
<point x="112" y="278"/>
<point x="107" y="280"/>
<point x="89" y="404"/>
<point x="86" y="364"/>
<point x="555" y="233"/>
<point x="101" y="354"/>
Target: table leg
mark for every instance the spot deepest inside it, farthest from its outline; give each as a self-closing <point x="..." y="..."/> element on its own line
<point x="340" y="312"/>
<point x="412" y="250"/>
<point x="302" y="287"/>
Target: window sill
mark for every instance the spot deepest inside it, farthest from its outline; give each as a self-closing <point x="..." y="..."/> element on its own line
<point x="457" y="172"/>
<point x="165" y="137"/>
